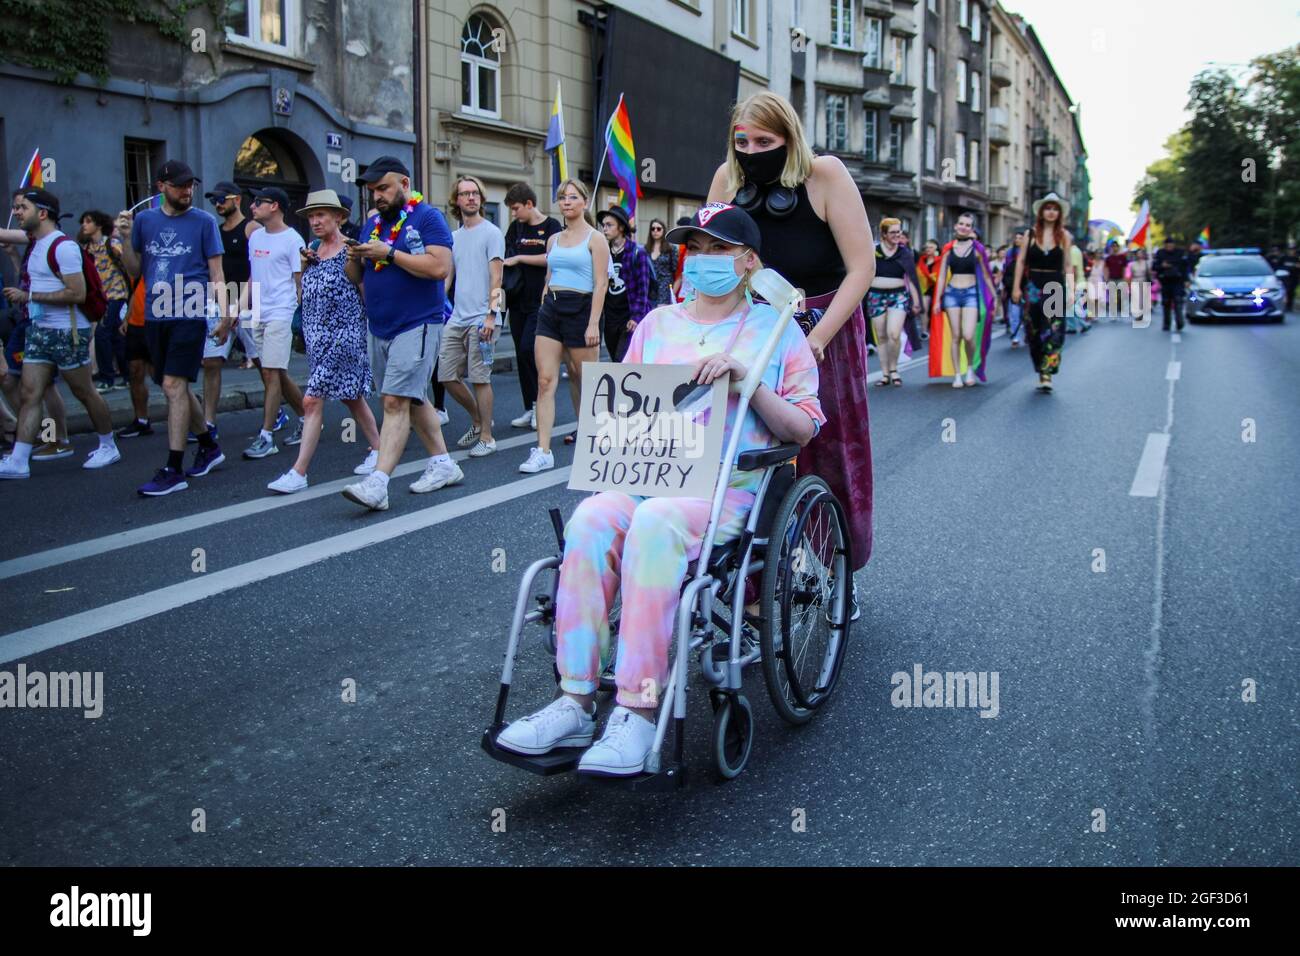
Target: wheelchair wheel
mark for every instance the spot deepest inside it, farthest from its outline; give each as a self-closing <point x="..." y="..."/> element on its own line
<point x="733" y="735"/>
<point x="807" y="577"/>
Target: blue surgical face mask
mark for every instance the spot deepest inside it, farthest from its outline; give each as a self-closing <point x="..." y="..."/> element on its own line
<point x="712" y="275"/>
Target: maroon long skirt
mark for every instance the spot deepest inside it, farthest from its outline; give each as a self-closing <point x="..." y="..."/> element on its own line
<point x="841" y="452"/>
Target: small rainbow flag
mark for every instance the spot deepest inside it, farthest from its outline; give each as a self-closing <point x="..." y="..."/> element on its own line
<point x="622" y="156"/>
<point x="153" y="202"/>
<point x="33" y="176"/>
<point x="1204" y="237"/>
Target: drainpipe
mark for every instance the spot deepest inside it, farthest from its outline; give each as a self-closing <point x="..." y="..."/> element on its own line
<point x="769" y="44"/>
<point x="417" y="86"/>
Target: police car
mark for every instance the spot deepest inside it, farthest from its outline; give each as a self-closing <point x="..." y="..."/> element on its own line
<point x="1235" y="284"/>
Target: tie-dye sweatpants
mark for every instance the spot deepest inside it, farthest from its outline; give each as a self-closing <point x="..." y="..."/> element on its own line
<point x="644" y="544"/>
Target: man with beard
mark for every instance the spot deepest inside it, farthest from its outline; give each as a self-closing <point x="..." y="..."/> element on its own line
<point x="177" y="250"/>
<point x="401" y="267"/>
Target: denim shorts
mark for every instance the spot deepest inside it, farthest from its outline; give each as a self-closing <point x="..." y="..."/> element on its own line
<point x="961" y="298"/>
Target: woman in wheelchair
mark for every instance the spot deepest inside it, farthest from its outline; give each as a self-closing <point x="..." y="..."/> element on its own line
<point x="645" y="545"/>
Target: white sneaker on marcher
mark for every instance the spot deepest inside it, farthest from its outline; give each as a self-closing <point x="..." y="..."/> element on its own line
<point x="561" y="723"/>
<point x="469" y="438"/>
<point x="368" y="492"/>
<point x="622" y="750"/>
<point x="10" y="469"/>
<point x="538" y="460"/>
<point x="443" y="417"/>
<point x="289" y="482"/>
<point x="103" y="456"/>
<point x="369" y="465"/>
<point x="523" y="421"/>
<point x="483" y="449"/>
<point x="438" y="474"/>
<point x="970" y="377"/>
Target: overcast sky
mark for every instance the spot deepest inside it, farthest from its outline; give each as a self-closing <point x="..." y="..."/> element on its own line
<point x="1129" y="62"/>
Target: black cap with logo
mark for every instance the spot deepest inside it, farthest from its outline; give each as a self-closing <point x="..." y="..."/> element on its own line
<point x="381" y="167"/>
<point x="721" y="221"/>
<point x="176" y="173"/>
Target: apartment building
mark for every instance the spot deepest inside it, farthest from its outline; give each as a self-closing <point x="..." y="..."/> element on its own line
<point x="1008" y="130"/>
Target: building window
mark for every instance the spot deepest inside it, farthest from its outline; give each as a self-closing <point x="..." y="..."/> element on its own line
<point x="931" y="138"/>
<point x="976" y="24"/>
<point x="961" y="81"/>
<point x="898" y="61"/>
<point x="932" y="5"/>
<point x="741" y="20"/>
<point x="974" y="160"/>
<point x="267" y="23"/>
<point x="480" y="69"/>
<point x="141" y="157"/>
<point x="963" y="13"/>
<point x="961" y="155"/>
<point x="975" y="92"/>
<point x="896" y="145"/>
<point x="931" y="83"/>
<point x="842" y="23"/>
<point x="875" y="44"/>
<point x="869" y="146"/>
<point x="837" y="122"/>
<point x="931" y="224"/>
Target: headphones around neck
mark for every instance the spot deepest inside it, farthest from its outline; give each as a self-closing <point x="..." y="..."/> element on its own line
<point x="779" y="201"/>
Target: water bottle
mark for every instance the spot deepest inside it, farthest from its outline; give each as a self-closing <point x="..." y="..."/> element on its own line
<point x="484" y="347"/>
<point x="414" y="244"/>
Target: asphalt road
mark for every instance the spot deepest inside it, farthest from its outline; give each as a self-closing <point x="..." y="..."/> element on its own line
<point x="1120" y="691"/>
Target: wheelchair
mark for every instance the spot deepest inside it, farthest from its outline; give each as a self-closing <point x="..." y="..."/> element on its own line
<point x="795" y="542"/>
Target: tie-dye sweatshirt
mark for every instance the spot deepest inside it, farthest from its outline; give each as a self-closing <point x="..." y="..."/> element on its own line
<point x="669" y="336"/>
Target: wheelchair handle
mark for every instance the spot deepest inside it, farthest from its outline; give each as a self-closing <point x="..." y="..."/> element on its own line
<point x="558" y="525"/>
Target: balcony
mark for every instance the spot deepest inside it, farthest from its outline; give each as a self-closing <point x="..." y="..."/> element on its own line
<point x="999" y="195"/>
<point x="1038" y="136"/>
<point x="878" y="8"/>
<point x="1000" y="72"/>
<point x="998" y="126"/>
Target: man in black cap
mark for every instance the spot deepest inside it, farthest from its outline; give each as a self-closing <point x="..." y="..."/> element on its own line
<point x="177" y="251"/>
<point x="628" y="299"/>
<point x="401" y="267"/>
<point x="59" y="334"/>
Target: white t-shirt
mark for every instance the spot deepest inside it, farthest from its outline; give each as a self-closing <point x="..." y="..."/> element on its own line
<point x="68" y="256"/>
<point x="273" y="261"/>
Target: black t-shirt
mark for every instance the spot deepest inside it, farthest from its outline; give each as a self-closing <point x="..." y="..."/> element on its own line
<point x="525" y="240"/>
<point x="234" y="253"/>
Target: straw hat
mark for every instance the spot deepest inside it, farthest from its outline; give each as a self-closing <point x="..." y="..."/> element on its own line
<point x="1038" y="204"/>
<point x="322" y="199"/>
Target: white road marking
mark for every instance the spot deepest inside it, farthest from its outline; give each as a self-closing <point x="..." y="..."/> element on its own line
<point x="75" y="627"/>
<point x="271" y="502"/>
<point x="1173" y="371"/>
<point x="1146" y="483"/>
<point x="1176" y="337"/>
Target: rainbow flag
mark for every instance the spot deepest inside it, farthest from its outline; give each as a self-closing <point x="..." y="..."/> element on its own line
<point x="33" y="176"/>
<point x="555" y="145"/>
<point x="622" y="156"/>
<point x="1204" y="237"/>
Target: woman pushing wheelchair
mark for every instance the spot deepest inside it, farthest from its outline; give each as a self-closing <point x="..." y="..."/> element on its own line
<point x="644" y="545"/>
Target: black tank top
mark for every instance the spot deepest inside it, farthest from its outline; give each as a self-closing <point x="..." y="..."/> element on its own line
<point x="801" y="247"/>
<point x="1038" y="260"/>
<point x="889" y="267"/>
<point x="234" y="253"/>
<point x="962" y="265"/>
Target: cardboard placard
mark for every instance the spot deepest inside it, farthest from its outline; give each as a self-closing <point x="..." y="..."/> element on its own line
<point x="647" y="430"/>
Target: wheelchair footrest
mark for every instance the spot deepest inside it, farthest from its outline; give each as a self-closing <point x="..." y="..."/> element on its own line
<point x="561" y="760"/>
<point x="671" y="777"/>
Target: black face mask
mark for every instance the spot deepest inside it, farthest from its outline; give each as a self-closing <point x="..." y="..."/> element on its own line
<point x="762" y="168"/>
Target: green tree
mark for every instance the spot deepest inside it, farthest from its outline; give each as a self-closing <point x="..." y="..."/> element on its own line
<point x="1275" y="98"/>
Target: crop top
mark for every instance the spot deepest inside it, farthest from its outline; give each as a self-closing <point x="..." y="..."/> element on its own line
<point x="571" y="266"/>
<point x="962" y="265"/>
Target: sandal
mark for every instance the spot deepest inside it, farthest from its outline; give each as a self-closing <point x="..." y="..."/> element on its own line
<point x="897" y="379"/>
<point x="884" y="380"/>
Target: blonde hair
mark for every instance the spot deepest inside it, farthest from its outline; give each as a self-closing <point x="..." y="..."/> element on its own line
<point x="585" y="193"/>
<point x="455" y="187"/>
<point x="889" y="223"/>
<point x="774" y="113"/>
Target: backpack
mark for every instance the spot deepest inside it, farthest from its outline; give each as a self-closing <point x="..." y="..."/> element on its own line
<point x="96" y="304"/>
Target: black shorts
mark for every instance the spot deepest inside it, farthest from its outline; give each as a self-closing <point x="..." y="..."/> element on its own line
<point x="564" y="317"/>
<point x="176" y="347"/>
<point x="137" y="344"/>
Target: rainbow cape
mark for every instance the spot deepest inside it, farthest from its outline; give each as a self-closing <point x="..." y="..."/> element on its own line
<point x="941" y="335"/>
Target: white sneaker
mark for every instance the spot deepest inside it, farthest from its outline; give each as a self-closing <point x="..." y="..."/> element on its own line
<point x="369" y="493"/>
<point x="523" y="421"/>
<point x="483" y="449"/>
<point x="438" y="475"/>
<point x="289" y="482"/>
<point x="622" y="750"/>
<point x="443" y="417"/>
<point x="469" y="438"/>
<point x="538" y="460"/>
<point x="561" y="723"/>
<point x="970" y="377"/>
<point x="10" y="469"/>
<point x="369" y="465"/>
<point x="103" y="456"/>
<point x="956" y="381"/>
